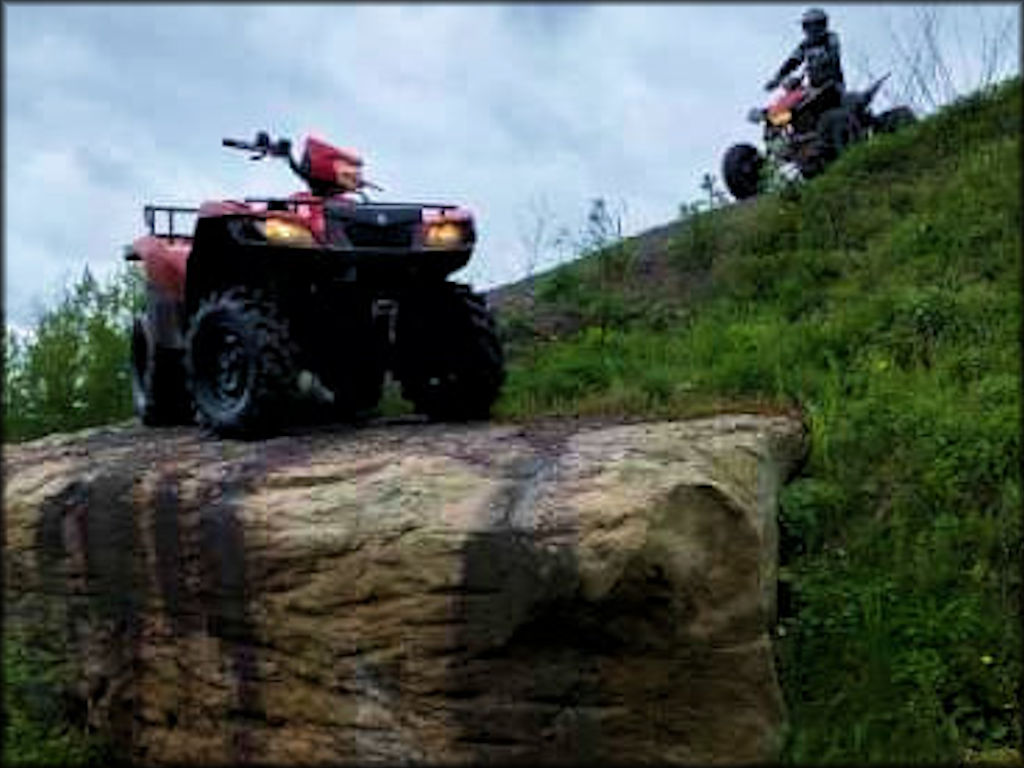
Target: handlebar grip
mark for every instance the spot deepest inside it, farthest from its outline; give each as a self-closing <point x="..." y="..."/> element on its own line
<point x="234" y="143"/>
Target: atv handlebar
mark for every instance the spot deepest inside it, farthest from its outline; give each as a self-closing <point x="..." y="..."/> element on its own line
<point x="262" y="147"/>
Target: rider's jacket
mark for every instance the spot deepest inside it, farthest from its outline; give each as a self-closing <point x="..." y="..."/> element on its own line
<point x="822" y="59"/>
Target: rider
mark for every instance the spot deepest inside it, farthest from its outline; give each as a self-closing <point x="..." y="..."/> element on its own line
<point x="820" y="51"/>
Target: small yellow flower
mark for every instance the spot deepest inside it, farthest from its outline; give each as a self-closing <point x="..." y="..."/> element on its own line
<point x="986" y="659"/>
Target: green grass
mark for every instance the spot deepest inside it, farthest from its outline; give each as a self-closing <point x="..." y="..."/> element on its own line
<point x="883" y="301"/>
<point x="38" y="728"/>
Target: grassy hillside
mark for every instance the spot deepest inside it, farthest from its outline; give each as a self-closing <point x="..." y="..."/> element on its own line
<point x="881" y="302"/>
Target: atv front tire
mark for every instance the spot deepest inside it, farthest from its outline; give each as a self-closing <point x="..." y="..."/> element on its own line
<point x="450" y="362"/>
<point x="741" y="168"/>
<point x="239" y="362"/>
<point x="159" y="397"/>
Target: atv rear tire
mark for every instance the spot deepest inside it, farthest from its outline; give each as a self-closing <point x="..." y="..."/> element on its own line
<point x="892" y="120"/>
<point x="240" y="365"/>
<point x="450" y="362"/>
<point x="838" y="128"/>
<point x="741" y="168"/>
<point x="159" y="397"/>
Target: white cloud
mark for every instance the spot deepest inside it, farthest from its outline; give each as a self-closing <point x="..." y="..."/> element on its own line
<point x="51" y="57"/>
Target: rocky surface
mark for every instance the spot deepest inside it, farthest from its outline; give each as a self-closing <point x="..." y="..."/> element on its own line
<point x="410" y="592"/>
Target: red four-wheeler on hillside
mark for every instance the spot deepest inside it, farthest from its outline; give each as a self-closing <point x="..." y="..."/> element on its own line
<point x="272" y="303"/>
<point x="801" y="138"/>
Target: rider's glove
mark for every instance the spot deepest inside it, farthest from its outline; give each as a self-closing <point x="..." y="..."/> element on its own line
<point x="772" y="84"/>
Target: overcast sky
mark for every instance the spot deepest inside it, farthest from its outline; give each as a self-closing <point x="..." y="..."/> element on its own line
<point x="506" y="109"/>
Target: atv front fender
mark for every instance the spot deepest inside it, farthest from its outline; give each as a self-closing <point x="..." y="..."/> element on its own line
<point x="164" y="260"/>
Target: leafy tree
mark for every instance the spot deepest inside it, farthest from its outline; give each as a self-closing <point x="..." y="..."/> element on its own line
<point x="72" y="371"/>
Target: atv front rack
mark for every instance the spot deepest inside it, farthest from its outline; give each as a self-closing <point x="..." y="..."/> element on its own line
<point x="291" y="204"/>
<point x="149" y="213"/>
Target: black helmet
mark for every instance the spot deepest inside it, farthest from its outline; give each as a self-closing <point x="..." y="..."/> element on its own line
<point x="815" y="23"/>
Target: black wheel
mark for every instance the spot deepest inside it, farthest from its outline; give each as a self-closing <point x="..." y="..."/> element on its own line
<point x="741" y="168"/>
<point x="892" y="120"/>
<point x="159" y="396"/>
<point x="450" y="362"/>
<point x="838" y="129"/>
<point x="239" y="364"/>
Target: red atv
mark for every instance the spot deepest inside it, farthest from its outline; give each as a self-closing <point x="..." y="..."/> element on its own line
<point x="273" y="302"/>
<point x="802" y="137"/>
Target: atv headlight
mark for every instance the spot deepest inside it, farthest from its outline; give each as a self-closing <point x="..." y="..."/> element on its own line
<point x="284" y="232"/>
<point x="442" y="234"/>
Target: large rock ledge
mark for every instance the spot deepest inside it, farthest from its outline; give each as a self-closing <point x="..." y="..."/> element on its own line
<point x="410" y="593"/>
